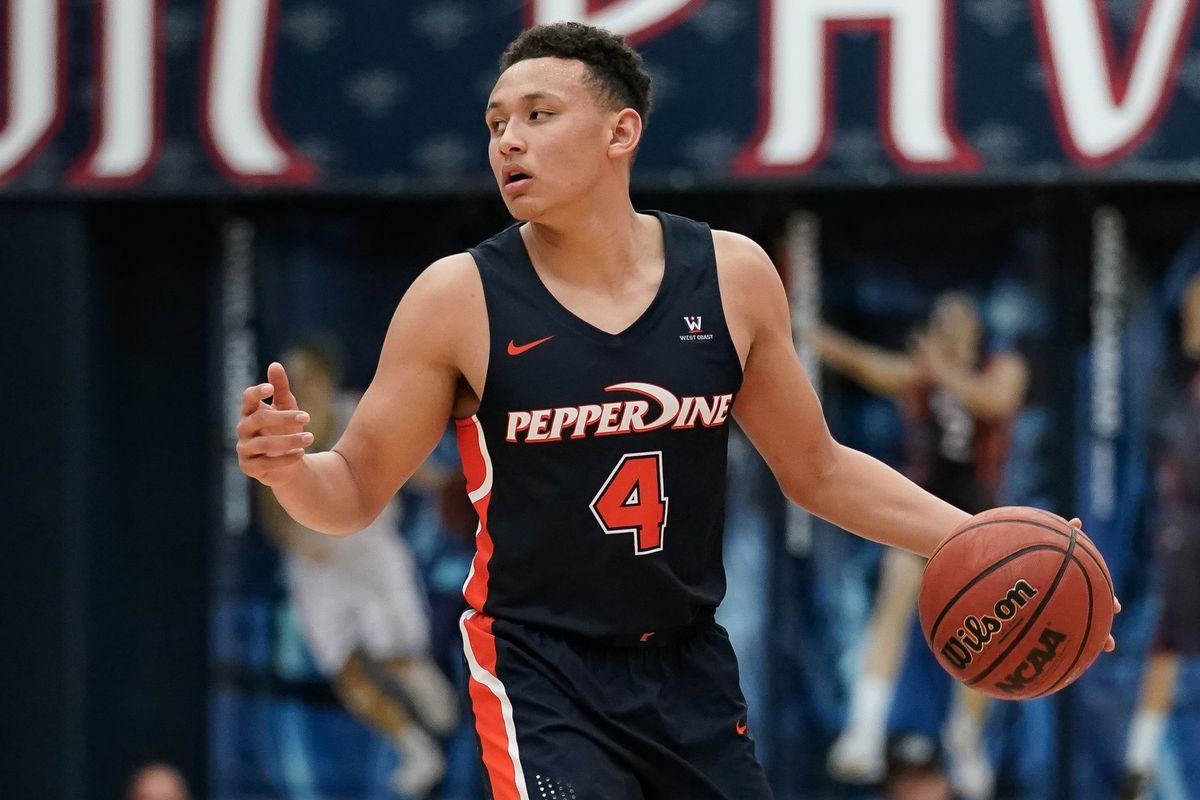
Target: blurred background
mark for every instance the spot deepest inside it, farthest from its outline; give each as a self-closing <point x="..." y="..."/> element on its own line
<point x="192" y="188"/>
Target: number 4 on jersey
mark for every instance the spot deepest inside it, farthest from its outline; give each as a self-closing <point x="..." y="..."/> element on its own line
<point x="632" y="501"/>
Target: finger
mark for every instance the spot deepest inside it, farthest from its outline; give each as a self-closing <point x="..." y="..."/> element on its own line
<point x="280" y="423"/>
<point x="284" y="399"/>
<point x="267" y="421"/>
<point x="1110" y="645"/>
<point x="271" y="446"/>
<point x="1076" y="522"/>
<point x="1116" y="606"/>
<point x="253" y="396"/>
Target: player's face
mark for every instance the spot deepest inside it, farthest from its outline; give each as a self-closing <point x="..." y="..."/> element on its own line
<point x="549" y="135"/>
<point x="956" y="326"/>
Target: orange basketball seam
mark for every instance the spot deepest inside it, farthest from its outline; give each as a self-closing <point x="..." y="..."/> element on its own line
<point x="987" y="522"/>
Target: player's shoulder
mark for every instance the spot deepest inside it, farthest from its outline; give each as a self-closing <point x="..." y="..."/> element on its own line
<point x="743" y="265"/>
<point x="448" y="280"/>
<point x="444" y="310"/>
<point x="445" y="303"/>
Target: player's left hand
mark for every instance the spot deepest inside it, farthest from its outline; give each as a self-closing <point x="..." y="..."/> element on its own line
<point x="1111" y="644"/>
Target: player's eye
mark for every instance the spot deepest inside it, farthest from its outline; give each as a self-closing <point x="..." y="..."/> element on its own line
<point x="537" y="116"/>
<point x="496" y="126"/>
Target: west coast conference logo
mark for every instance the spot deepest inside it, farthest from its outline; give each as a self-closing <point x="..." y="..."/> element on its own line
<point x="662" y="408"/>
<point x="695" y="330"/>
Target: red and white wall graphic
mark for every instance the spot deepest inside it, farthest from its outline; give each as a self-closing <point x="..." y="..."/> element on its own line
<point x="636" y="20"/>
<point x="127" y="129"/>
<point x="1074" y="91"/>
<point x="798" y="83"/>
<point x="34" y="99"/>
<point x="235" y="120"/>
<point x="1104" y="104"/>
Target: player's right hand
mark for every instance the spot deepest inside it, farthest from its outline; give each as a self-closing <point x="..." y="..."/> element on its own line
<point x="271" y="438"/>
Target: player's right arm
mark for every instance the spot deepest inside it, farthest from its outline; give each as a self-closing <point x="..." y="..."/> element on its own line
<point x="875" y="369"/>
<point x="436" y="346"/>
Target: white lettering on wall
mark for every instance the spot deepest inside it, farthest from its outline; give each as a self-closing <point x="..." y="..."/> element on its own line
<point x="128" y="95"/>
<point x="799" y="83"/>
<point x="235" y="119"/>
<point x="1104" y="108"/>
<point x="34" y="67"/>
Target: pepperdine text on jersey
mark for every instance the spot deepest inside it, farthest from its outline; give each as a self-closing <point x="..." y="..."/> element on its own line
<point x="622" y="416"/>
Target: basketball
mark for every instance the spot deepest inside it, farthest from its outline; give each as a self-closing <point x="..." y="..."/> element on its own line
<point x="1016" y="603"/>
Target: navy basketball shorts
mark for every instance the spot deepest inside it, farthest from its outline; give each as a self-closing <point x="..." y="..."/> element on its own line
<point x="567" y="719"/>
<point x="1179" y="554"/>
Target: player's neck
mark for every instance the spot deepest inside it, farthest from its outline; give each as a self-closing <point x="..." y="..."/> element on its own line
<point x="599" y="245"/>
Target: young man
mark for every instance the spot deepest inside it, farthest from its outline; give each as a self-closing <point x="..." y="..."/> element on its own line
<point x="591" y="357"/>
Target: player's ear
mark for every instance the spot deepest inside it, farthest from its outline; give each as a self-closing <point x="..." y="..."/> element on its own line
<point x="626" y="133"/>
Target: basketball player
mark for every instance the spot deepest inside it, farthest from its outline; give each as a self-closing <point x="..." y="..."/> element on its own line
<point x="1178" y="544"/>
<point x="955" y="404"/>
<point x="591" y="357"/>
<point x="359" y="608"/>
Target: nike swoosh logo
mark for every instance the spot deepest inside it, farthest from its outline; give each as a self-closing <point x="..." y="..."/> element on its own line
<point x="741" y="728"/>
<point x="515" y="350"/>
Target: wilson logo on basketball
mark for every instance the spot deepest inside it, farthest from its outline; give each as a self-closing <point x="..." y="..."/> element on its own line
<point x="1034" y="664"/>
<point x="975" y="633"/>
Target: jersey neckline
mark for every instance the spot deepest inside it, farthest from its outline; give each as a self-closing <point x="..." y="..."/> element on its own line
<point x="644" y="322"/>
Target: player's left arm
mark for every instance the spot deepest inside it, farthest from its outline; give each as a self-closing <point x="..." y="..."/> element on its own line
<point x="779" y="410"/>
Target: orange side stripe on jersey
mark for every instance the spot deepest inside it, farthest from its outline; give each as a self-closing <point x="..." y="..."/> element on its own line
<point x="477" y="469"/>
<point x="493" y="711"/>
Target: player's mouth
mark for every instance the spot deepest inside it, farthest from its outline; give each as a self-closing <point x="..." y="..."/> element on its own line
<point x="516" y="180"/>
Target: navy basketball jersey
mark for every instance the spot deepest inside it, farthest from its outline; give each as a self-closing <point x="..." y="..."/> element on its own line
<point x="596" y="461"/>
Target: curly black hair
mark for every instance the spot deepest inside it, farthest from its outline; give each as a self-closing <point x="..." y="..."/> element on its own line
<point x="615" y="70"/>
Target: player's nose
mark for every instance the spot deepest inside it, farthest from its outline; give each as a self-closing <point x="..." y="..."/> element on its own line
<point x="511" y="141"/>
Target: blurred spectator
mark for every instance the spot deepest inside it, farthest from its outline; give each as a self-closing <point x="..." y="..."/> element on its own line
<point x="359" y="605"/>
<point x="954" y="399"/>
<point x="157" y="782"/>
<point x="1178" y="545"/>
